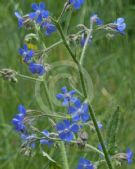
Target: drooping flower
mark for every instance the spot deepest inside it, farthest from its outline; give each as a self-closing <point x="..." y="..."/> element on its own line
<point x="66" y="96"/>
<point x="120" y="25"/>
<point x="30" y="139"/>
<point x="77" y="3"/>
<point x="95" y="19"/>
<point x="50" y="28"/>
<point x="83" y="39"/>
<point x="36" y="68"/>
<point x="40" y="12"/>
<point x="79" y="111"/>
<point x="84" y="164"/>
<point x="18" y="119"/>
<point x="66" y="130"/>
<point x="129" y="155"/>
<point x="46" y="140"/>
<point x="25" y="53"/>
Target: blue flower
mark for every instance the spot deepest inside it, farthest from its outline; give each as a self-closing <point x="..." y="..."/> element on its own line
<point x="129" y="155"/>
<point x="26" y="54"/>
<point x="18" y="119"/>
<point x="66" y="130"/>
<point x="95" y="19"/>
<point x="84" y="164"/>
<point x="20" y="19"/>
<point x="50" y="28"/>
<point x="36" y="68"/>
<point x="66" y="96"/>
<point x="39" y="13"/>
<point x="79" y="111"/>
<point x="46" y="141"/>
<point x="120" y="25"/>
<point x="76" y="3"/>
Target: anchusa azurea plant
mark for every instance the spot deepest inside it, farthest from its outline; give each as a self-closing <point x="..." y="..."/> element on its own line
<point x="77" y="122"/>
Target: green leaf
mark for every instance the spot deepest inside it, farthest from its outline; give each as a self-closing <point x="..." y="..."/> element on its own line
<point x="112" y="130"/>
<point x="48" y="156"/>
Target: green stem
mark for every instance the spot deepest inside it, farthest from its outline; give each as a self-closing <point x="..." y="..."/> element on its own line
<point x="64" y="156"/>
<point x="85" y="46"/>
<point x="28" y="77"/>
<point x="92" y="113"/>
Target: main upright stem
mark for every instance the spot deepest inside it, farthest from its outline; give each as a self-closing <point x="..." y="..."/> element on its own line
<point x="92" y="113"/>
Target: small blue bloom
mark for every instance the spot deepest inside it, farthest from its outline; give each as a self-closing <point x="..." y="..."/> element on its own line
<point x="66" y="130"/>
<point x="46" y="141"/>
<point x="129" y="155"/>
<point x="77" y="3"/>
<point x="50" y="28"/>
<point x="40" y="13"/>
<point x="18" y="119"/>
<point x="66" y="96"/>
<point x="100" y="125"/>
<point x="25" y="53"/>
<point x="120" y="25"/>
<point x="79" y="111"/>
<point x="95" y="19"/>
<point x="84" y="164"/>
<point x="20" y="19"/>
<point x="36" y="68"/>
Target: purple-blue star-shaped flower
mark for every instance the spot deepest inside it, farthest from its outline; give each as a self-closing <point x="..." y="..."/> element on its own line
<point x="40" y="12"/>
<point x="25" y="53"/>
<point x="18" y="119"/>
<point x="120" y="25"/>
<point x="84" y="164"/>
<point x="79" y="111"/>
<point x="50" y="28"/>
<point x="66" y="96"/>
<point x="36" y="68"/>
<point x="76" y="3"/>
<point x="46" y="140"/>
<point x="129" y="155"/>
<point x="95" y="19"/>
<point x="66" y="130"/>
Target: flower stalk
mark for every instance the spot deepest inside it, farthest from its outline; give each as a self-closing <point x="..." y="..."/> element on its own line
<point x="92" y="113"/>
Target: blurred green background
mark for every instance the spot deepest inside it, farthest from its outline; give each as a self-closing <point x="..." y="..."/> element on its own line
<point x="110" y="63"/>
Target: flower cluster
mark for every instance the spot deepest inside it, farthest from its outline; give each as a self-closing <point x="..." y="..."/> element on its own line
<point x="27" y="55"/>
<point x="40" y="16"/>
<point x="18" y="120"/>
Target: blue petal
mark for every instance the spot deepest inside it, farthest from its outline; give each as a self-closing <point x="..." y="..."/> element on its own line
<point x="45" y="14"/>
<point x="75" y="128"/>
<point x="18" y="15"/>
<point x="60" y="126"/>
<point x="21" y="109"/>
<point x="32" y="15"/>
<point x="34" y="6"/>
<point x="71" y="109"/>
<point x="64" y="89"/>
<point x="45" y="132"/>
<point x="85" y="117"/>
<point x="39" y="19"/>
<point x="59" y="96"/>
<point x="41" y="5"/>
